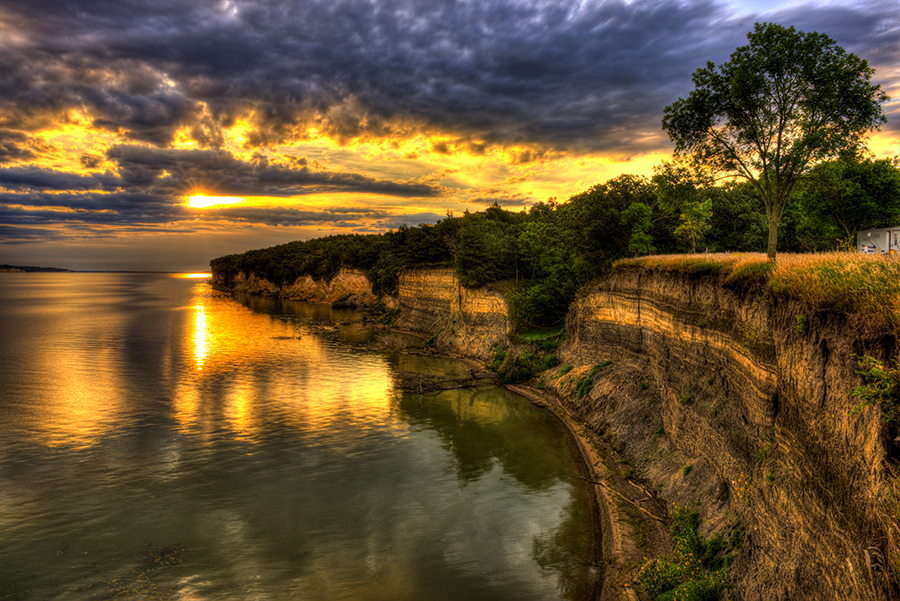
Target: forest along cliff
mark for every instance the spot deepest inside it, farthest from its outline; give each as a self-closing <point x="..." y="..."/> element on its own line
<point x="724" y="399"/>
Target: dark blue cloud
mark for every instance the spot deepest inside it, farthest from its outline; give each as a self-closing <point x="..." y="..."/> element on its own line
<point x="571" y="75"/>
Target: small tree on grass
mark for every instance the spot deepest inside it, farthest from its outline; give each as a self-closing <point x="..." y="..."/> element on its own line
<point x="783" y="103"/>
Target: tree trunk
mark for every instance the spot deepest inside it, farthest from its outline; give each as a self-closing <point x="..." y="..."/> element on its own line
<point x="773" y="236"/>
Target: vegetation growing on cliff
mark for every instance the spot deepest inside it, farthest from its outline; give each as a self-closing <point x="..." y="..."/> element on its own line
<point x="852" y="283"/>
<point x="697" y="570"/>
<point x="882" y="387"/>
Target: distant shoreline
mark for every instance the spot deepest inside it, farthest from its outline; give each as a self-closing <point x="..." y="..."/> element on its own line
<point x="33" y="269"/>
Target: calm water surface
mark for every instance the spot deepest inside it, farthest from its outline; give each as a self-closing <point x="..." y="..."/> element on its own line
<point x="160" y="440"/>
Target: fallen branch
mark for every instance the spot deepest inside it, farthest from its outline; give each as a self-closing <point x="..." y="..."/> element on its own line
<point x="623" y="497"/>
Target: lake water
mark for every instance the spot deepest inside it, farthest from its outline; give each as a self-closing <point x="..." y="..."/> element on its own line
<point x="161" y="440"/>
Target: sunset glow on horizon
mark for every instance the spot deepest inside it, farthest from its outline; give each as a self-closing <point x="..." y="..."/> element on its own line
<point x="133" y="146"/>
<point x="199" y="201"/>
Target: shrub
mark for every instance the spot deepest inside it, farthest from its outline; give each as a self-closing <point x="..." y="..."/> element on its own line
<point x="515" y="369"/>
<point x="882" y="387"/>
<point x="697" y="569"/>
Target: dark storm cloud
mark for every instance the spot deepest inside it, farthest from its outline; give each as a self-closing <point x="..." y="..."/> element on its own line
<point x="229" y="176"/>
<point x="582" y="76"/>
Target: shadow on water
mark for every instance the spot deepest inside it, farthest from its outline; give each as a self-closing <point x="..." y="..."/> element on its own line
<point x="481" y="426"/>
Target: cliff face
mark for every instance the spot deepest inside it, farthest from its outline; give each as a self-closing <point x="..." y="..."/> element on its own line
<point x="729" y="403"/>
<point x="466" y="321"/>
<point x="349" y="287"/>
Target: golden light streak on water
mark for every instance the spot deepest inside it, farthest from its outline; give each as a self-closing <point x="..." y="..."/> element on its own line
<point x="201" y="336"/>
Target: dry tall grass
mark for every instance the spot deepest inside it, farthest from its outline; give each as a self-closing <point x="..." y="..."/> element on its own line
<point x="866" y="285"/>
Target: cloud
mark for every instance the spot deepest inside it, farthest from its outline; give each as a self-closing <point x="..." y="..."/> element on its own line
<point x="571" y="76"/>
<point x="470" y="94"/>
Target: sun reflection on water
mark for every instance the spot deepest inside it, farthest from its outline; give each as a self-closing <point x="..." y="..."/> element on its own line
<point x="201" y="336"/>
<point x="252" y="370"/>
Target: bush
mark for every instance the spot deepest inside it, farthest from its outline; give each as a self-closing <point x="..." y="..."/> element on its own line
<point x="697" y="569"/>
<point x="882" y="388"/>
<point x="515" y="369"/>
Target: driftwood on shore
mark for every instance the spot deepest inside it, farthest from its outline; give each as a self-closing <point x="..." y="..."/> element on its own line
<point x="419" y="382"/>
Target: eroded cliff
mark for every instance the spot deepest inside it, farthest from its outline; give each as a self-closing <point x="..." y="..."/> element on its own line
<point x="465" y="321"/>
<point x="349" y="287"/>
<point x="736" y="403"/>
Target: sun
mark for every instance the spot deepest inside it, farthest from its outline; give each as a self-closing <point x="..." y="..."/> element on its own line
<point x="199" y="201"/>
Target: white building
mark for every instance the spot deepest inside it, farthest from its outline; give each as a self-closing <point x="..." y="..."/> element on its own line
<point x="885" y="240"/>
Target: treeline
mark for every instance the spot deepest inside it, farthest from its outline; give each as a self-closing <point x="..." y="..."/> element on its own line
<point x="550" y="250"/>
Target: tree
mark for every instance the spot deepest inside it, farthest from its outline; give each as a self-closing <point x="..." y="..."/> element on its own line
<point x="783" y="103"/>
<point x="849" y="195"/>
<point x="683" y="187"/>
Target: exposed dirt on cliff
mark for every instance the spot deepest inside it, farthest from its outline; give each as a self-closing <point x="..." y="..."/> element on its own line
<point x="722" y="404"/>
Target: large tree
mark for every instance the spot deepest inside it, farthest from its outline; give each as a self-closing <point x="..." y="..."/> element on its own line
<point x="783" y="103"/>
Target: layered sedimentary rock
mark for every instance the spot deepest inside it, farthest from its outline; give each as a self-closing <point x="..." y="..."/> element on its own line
<point x="725" y="401"/>
<point x="350" y="287"/>
<point x="466" y="321"/>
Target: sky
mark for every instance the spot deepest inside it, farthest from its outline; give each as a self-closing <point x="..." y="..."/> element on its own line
<point x="157" y="135"/>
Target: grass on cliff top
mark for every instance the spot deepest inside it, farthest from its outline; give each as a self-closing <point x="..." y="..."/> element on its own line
<point x="853" y="283"/>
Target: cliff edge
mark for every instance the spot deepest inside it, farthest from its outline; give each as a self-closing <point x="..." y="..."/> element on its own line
<point x="736" y="402"/>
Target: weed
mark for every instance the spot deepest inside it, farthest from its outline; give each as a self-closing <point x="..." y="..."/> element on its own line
<point x="687" y="469"/>
<point x="564" y="370"/>
<point x="762" y="451"/>
<point x="643" y="386"/>
<point x="770" y="475"/>
<point x="390" y="317"/>
<point x="710" y="380"/>
<point x="698" y="568"/>
<point x="861" y="284"/>
<point x="545" y="340"/>
<point x="742" y="488"/>
<point x="514" y="369"/>
<point x="628" y="474"/>
<point x="715" y="410"/>
<point x="882" y="388"/>
<point x="586" y="384"/>
<point x="685" y="399"/>
<point x="660" y="432"/>
<point x="585" y="387"/>
<point x="801" y="325"/>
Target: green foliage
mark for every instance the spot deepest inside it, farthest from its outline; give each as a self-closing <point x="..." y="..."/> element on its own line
<point x="843" y="197"/>
<point x="698" y="568"/>
<point x="801" y="324"/>
<point x="487" y="248"/>
<point x="565" y="369"/>
<point x="882" y="388"/>
<point x="515" y="369"/>
<point x="781" y="104"/>
<point x="545" y="340"/>
<point x="586" y="384"/>
<point x="585" y="387"/>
